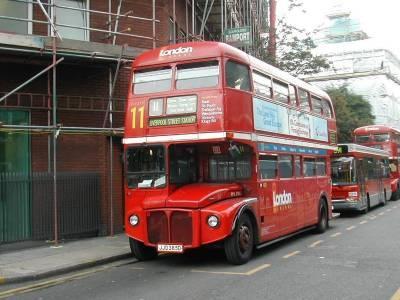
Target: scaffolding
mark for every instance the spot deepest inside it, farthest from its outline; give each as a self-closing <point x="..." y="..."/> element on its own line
<point x="204" y="20"/>
<point x="211" y="19"/>
<point x="111" y="31"/>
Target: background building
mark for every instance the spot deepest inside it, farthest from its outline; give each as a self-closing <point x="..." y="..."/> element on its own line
<point x="360" y="63"/>
<point x="65" y="72"/>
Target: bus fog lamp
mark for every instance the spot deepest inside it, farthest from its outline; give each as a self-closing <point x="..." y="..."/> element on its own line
<point x="134" y="220"/>
<point x="213" y="221"/>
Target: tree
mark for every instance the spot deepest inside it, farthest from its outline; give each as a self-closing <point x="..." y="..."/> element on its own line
<point x="351" y="110"/>
<point x="294" y="48"/>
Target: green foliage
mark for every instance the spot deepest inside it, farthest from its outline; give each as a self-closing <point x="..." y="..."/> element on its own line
<point x="294" y="47"/>
<point x="351" y="110"/>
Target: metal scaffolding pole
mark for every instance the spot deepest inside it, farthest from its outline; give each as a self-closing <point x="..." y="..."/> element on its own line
<point x="154" y="24"/>
<point x="32" y="78"/>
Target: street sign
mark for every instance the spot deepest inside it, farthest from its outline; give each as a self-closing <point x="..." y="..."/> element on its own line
<point x="238" y="37"/>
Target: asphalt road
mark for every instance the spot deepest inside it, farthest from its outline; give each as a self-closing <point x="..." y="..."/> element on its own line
<point x="357" y="258"/>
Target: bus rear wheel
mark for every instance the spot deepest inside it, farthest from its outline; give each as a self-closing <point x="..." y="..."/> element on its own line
<point x="322" y="224"/>
<point x="239" y="246"/>
<point x="396" y="195"/>
<point x="140" y="251"/>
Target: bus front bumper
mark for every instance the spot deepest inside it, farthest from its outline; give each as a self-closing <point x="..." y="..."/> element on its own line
<point x="344" y="205"/>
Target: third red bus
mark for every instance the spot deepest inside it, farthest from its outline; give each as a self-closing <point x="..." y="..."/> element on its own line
<point x="386" y="138"/>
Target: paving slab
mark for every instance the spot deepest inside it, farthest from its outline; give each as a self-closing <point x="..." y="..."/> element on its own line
<point x="41" y="262"/>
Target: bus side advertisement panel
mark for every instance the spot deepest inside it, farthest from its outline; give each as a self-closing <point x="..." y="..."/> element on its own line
<point x="275" y="118"/>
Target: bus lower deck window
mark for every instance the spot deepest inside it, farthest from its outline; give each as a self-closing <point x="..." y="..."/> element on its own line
<point x="268" y="166"/>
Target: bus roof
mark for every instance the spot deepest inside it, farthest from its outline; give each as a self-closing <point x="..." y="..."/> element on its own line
<point x="202" y="50"/>
<point x="375" y="129"/>
<point x="355" y="148"/>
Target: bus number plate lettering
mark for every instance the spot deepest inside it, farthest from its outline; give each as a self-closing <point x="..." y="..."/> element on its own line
<point x="170" y="248"/>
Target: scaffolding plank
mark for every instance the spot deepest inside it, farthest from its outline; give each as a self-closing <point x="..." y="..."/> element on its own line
<point x="21" y="40"/>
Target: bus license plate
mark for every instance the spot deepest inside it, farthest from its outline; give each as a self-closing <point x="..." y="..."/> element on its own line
<point x="170" y="248"/>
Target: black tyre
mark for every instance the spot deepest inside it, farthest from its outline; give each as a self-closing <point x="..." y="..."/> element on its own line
<point x="383" y="203"/>
<point x="140" y="251"/>
<point x="239" y="246"/>
<point x="396" y="195"/>
<point x="323" y="223"/>
<point x="366" y="209"/>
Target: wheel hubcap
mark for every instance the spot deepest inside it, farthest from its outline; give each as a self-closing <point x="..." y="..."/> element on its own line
<point x="244" y="238"/>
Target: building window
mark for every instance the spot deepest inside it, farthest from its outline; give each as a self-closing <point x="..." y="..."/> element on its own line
<point x="72" y="17"/>
<point x="19" y="10"/>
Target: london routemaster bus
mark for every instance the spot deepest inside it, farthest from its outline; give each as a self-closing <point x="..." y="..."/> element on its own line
<point x="385" y="138"/>
<point x="222" y="148"/>
<point x="360" y="178"/>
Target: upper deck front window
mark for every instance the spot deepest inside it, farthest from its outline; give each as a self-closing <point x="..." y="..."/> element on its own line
<point x="197" y="75"/>
<point x="237" y="76"/>
<point x="152" y="81"/>
<point x="382" y="137"/>
<point x="361" y="139"/>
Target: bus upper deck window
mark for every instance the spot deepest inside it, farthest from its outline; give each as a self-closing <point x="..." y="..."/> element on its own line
<point x="292" y="95"/>
<point x="262" y="85"/>
<point x="281" y="91"/>
<point x="152" y="81"/>
<point x="197" y="75"/>
<point x="316" y="105"/>
<point x="362" y="139"/>
<point x="326" y="109"/>
<point x="237" y="76"/>
<point x="382" y="137"/>
<point x="304" y="100"/>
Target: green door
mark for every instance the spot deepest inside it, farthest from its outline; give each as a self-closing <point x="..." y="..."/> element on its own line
<point x="15" y="206"/>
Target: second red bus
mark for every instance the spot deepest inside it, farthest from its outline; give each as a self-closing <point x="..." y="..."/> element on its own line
<point x="360" y="178"/>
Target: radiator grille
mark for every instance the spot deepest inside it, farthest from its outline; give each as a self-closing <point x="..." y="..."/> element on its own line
<point x="181" y="227"/>
<point x="157" y="227"/>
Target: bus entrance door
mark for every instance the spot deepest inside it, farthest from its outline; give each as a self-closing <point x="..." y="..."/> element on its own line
<point x="361" y="181"/>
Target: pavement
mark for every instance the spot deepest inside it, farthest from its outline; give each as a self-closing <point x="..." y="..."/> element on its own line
<point x="41" y="262"/>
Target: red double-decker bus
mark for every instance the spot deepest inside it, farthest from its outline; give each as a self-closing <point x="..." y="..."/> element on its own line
<point x="360" y="178"/>
<point x="221" y="147"/>
<point x="386" y="138"/>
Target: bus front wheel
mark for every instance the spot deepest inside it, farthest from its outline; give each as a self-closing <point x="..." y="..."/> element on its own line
<point x="140" y="251"/>
<point x="322" y="224"/>
<point x="239" y="246"/>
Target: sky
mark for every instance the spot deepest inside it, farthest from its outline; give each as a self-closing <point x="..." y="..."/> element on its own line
<point x="379" y="19"/>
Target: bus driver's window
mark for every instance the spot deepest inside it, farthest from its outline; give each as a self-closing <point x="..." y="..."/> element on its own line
<point x="237" y="76"/>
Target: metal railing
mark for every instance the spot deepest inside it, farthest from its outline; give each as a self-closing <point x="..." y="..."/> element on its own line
<point x="26" y="205"/>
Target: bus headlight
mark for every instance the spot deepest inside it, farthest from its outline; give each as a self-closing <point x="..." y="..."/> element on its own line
<point x="134" y="220"/>
<point x="213" y="221"/>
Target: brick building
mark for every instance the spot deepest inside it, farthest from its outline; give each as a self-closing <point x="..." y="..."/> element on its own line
<point x="92" y="33"/>
<point x="57" y="131"/>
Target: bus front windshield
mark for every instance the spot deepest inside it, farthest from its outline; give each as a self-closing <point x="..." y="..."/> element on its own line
<point x="146" y="167"/>
<point x="343" y="171"/>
